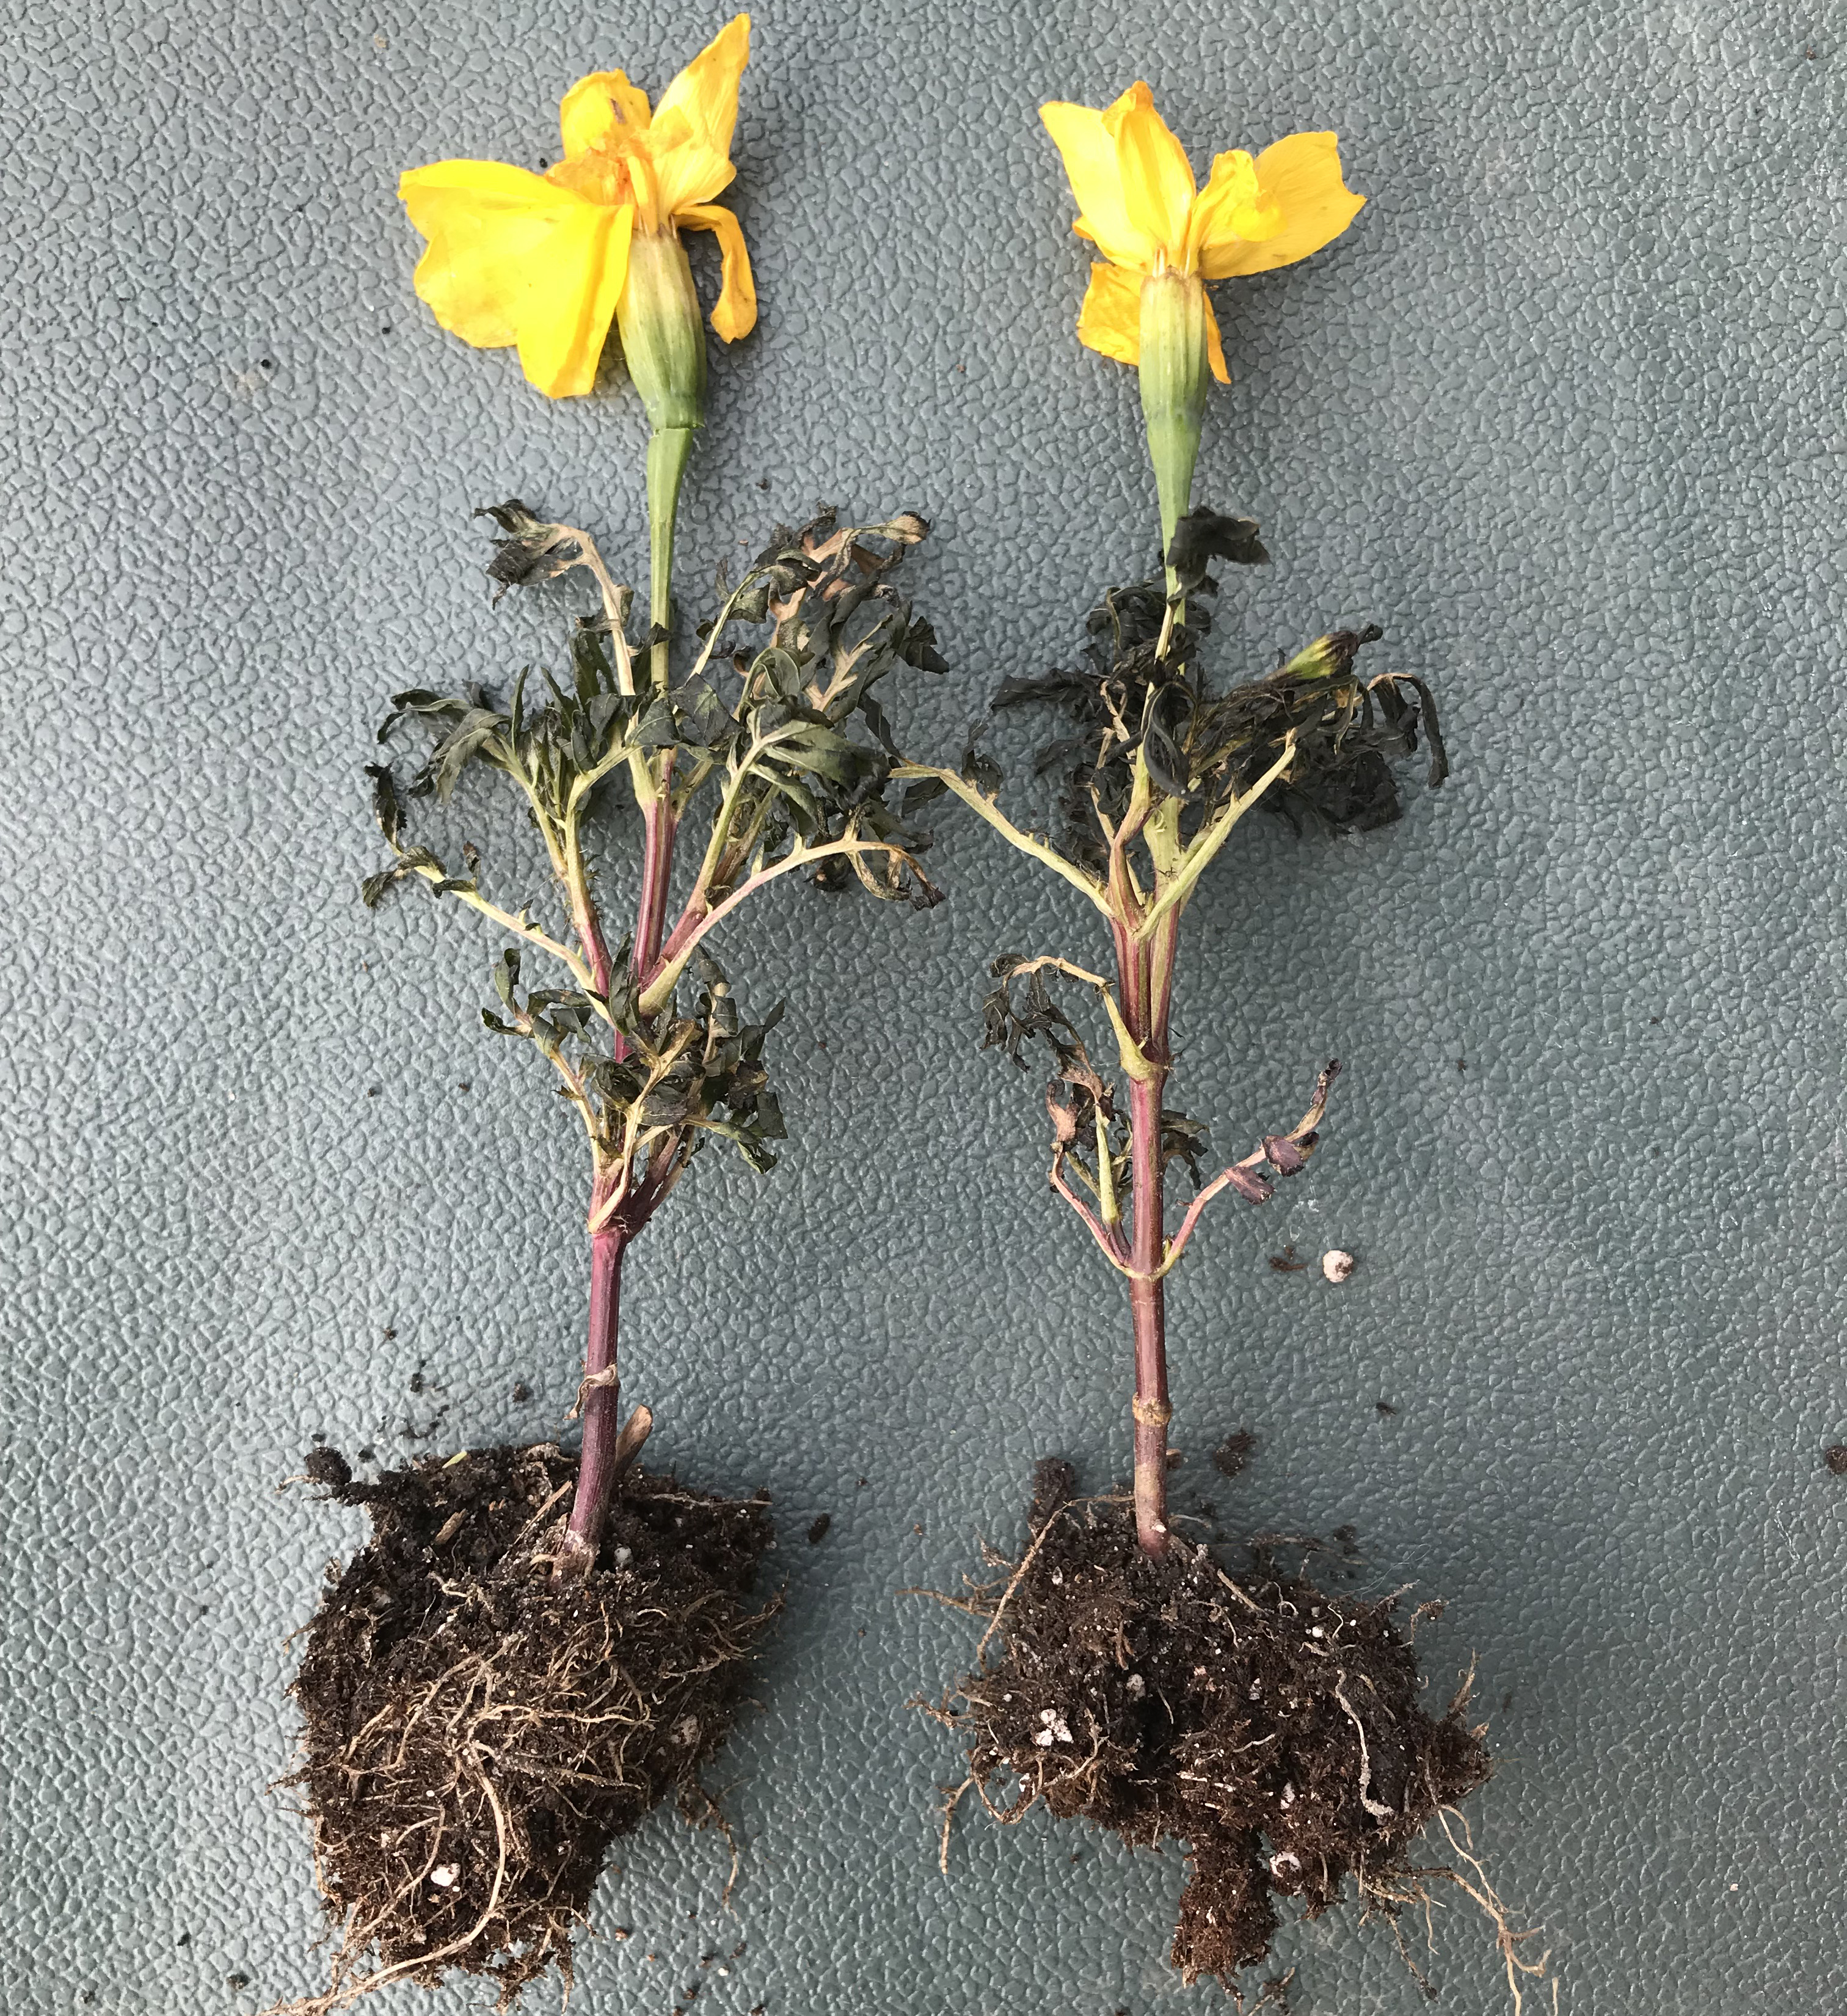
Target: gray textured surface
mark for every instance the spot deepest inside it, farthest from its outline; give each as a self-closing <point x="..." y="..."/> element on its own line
<point x="1560" y="411"/>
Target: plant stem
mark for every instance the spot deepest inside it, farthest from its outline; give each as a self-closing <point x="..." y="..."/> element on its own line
<point x="603" y="1414"/>
<point x="668" y="450"/>
<point x="658" y="827"/>
<point x="600" y="1463"/>
<point x="1145" y="971"/>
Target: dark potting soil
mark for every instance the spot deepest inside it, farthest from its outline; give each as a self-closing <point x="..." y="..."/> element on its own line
<point x="1275" y="1730"/>
<point x="475" y="1735"/>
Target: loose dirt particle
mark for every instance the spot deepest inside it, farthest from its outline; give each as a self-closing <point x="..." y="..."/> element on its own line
<point x="1836" y="1459"/>
<point x="818" y="1532"/>
<point x="1233" y="1452"/>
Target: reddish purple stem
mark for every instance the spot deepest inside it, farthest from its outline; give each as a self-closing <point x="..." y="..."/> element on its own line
<point x="598" y="1468"/>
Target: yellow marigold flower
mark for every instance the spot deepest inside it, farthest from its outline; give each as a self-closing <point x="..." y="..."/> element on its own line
<point x="1139" y="206"/>
<point x="1162" y="237"/>
<point x="546" y="262"/>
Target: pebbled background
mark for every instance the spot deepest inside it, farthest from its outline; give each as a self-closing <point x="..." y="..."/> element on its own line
<point x="1559" y="412"/>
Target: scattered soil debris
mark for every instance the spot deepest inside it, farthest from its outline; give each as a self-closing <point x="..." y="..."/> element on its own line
<point x="1285" y="1262"/>
<point x="476" y="1735"/>
<point x="1384" y="1408"/>
<point x="1233" y="1452"/>
<point x="1835" y="1457"/>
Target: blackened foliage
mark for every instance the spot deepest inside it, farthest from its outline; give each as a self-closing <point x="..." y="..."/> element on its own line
<point x="1020" y="1011"/>
<point x="782" y="715"/>
<point x="1203" y="536"/>
<point x="1204" y="747"/>
<point x="790" y="729"/>
<point x="690" y="1074"/>
<point x="532" y="551"/>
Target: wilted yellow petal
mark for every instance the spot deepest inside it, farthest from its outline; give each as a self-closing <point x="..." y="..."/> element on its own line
<point x="1215" y="350"/>
<point x="1089" y="153"/>
<point x="1301" y="178"/>
<point x="735" y="313"/>
<point x="1228" y="208"/>
<point x="687" y="168"/>
<point x="1110" y="320"/>
<point x="515" y="259"/>
<point x="707" y="90"/>
<point x="595" y="104"/>
<point x="1157" y="179"/>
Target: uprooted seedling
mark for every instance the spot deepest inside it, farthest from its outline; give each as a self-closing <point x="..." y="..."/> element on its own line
<point x="1136" y="1681"/>
<point x="534" y="1649"/>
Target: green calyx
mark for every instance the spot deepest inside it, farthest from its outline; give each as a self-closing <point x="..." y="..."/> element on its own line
<point x="663" y="344"/>
<point x="663" y="333"/>
<point x="1173" y="379"/>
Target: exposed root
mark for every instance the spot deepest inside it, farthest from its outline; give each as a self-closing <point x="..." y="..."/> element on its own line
<point x="476" y="1734"/>
<point x="1274" y="1728"/>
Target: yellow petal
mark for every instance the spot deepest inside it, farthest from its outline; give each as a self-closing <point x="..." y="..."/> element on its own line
<point x="707" y="90"/>
<point x="1157" y="179"/>
<point x="596" y="104"/>
<point x="734" y="314"/>
<point x="1228" y="207"/>
<point x="1110" y="320"/>
<point x="572" y="301"/>
<point x="1215" y="350"/>
<point x="687" y="168"/>
<point x="515" y="259"/>
<point x="1090" y="166"/>
<point x="1301" y="178"/>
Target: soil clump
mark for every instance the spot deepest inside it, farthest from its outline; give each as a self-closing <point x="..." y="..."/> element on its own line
<point x="1276" y="1730"/>
<point x="476" y="1733"/>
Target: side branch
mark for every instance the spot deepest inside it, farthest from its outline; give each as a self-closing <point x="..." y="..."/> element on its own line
<point x="986" y="808"/>
<point x="1207" y="841"/>
<point x="686" y="937"/>
<point x="1114" y="1251"/>
<point x="1285" y="1153"/>
<point x="522" y="928"/>
<point x="1134" y="1058"/>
